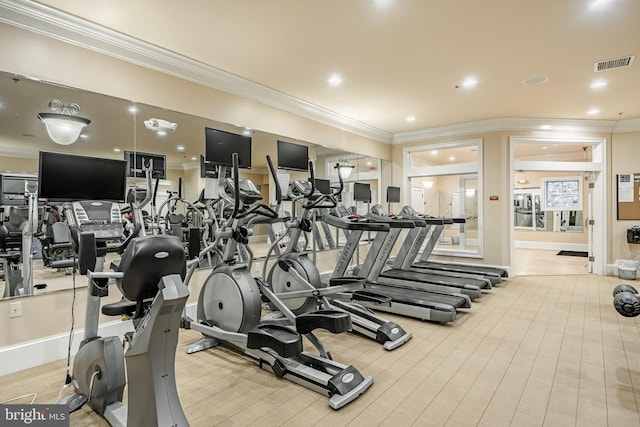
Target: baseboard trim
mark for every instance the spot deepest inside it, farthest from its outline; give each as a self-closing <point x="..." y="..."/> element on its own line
<point x="34" y="353"/>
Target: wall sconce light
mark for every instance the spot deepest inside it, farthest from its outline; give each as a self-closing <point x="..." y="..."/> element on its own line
<point x="345" y="171"/>
<point x="62" y="126"/>
<point x="161" y="127"/>
<point x="344" y="168"/>
<point x="427" y="184"/>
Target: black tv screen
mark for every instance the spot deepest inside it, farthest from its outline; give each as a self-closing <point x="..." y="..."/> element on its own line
<point x="220" y="145"/>
<point x="63" y="177"/>
<point x="135" y="161"/>
<point x="292" y="156"/>
<point x="393" y="194"/>
<point x="323" y="186"/>
<point x="361" y="192"/>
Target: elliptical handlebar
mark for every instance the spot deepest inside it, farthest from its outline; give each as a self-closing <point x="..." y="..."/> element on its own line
<point x="236" y="186"/>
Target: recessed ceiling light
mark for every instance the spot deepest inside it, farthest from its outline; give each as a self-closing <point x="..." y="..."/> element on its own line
<point x="161" y="133"/>
<point x="335" y="80"/>
<point x="434" y="152"/>
<point x="117" y="150"/>
<point x="180" y="148"/>
<point x="598" y="84"/>
<point x="382" y="2"/>
<point x="536" y="80"/>
<point x="194" y="158"/>
<point x="452" y="158"/>
<point x="593" y="111"/>
<point x="470" y="82"/>
<point x="544" y="147"/>
<point x="598" y="3"/>
<point x="545" y="127"/>
<point x="411" y="119"/>
<point x="133" y="109"/>
<point x="369" y="163"/>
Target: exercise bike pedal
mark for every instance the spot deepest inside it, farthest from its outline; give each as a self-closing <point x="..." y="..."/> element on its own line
<point x="74" y="401"/>
<point x="284" y="341"/>
<point x="334" y="321"/>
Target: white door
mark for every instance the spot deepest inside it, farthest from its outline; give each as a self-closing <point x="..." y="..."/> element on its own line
<point x="417" y="199"/>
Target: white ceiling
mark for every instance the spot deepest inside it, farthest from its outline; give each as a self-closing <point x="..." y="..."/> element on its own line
<point x="404" y="57"/>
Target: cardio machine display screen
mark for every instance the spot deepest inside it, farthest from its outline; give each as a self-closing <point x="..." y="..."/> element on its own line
<point x="393" y="194"/>
<point x="323" y="186"/>
<point x="361" y="192"/>
<point x="63" y="177"/>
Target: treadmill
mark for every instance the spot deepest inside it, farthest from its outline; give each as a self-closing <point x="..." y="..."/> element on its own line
<point x="379" y="271"/>
<point x="492" y="273"/>
<point x="413" y="303"/>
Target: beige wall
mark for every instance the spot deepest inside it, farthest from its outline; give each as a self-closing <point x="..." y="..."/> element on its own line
<point x="625" y="157"/>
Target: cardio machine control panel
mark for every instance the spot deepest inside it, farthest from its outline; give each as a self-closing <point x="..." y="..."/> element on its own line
<point x="102" y="218"/>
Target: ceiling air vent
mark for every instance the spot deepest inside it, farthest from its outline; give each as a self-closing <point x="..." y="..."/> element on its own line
<point x="609" y="64"/>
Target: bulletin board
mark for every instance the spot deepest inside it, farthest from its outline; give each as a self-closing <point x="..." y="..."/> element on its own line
<point x="628" y="196"/>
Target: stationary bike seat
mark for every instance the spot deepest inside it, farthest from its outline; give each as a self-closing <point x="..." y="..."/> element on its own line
<point x="119" y="308"/>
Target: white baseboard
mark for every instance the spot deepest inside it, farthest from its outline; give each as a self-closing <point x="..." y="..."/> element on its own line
<point x="49" y="349"/>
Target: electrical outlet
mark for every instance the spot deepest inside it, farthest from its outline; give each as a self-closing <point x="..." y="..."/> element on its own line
<point x="15" y="309"/>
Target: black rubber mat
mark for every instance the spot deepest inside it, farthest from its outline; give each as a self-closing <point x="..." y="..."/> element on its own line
<point x="574" y="253"/>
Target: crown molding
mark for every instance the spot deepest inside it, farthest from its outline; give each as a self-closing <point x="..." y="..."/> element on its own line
<point x="71" y="29"/>
<point x="523" y="124"/>
<point x="24" y="153"/>
<point x="481" y="126"/>
<point x="630" y="125"/>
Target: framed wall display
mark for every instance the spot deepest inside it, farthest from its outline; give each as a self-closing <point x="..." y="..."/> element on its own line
<point x="628" y="195"/>
<point x="562" y="193"/>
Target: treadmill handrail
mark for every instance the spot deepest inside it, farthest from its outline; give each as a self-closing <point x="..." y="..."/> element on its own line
<point x="346" y="223"/>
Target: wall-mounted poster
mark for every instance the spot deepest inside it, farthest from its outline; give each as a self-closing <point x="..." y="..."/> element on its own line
<point x="562" y="194"/>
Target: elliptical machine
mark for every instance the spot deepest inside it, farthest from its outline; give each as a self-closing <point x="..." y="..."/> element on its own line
<point x="295" y="279"/>
<point x="229" y="308"/>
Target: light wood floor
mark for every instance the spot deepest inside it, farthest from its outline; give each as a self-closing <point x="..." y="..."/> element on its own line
<point x="536" y="351"/>
<point x="542" y="262"/>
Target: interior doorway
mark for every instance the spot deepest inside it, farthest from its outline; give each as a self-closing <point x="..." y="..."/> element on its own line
<point x="553" y="220"/>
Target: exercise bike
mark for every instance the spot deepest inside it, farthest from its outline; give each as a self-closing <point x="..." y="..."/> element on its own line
<point x="149" y="275"/>
<point x="229" y="307"/>
<point x="295" y="279"/>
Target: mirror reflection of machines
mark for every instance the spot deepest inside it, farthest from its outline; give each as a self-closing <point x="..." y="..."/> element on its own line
<point x="149" y="275"/>
<point x="18" y="194"/>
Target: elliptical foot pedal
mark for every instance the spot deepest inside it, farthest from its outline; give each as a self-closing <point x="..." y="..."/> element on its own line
<point x="282" y="340"/>
<point x="332" y="320"/>
<point x="372" y="297"/>
<point x="340" y="281"/>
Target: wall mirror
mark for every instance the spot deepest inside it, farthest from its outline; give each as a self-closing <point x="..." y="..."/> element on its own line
<point x="444" y="180"/>
<point x="118" y="125"/>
